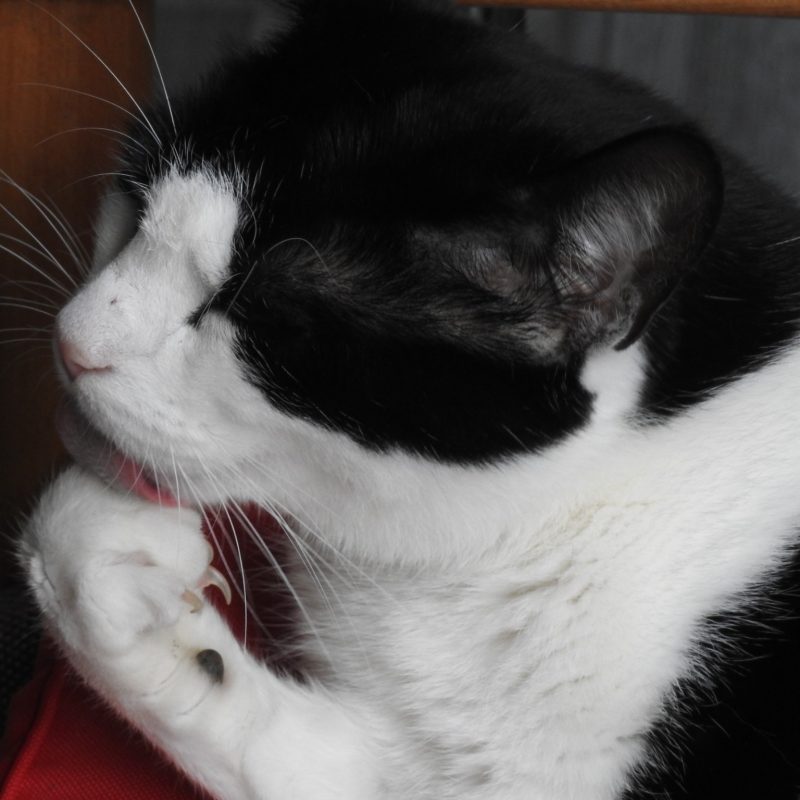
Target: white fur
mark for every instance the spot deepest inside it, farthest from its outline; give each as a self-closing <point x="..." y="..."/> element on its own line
<point x="486" y="632"/>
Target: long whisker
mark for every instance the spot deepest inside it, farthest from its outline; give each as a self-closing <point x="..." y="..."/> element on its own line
<point x="175" y="474"/>
<point x="105" y="175"/>
<point x="316" y="572"/>
<point x="36" y="269"/>
<point x="241" y="587"/>
<point x="94" y="129"/>
<point x="70" y="90"/>
<point x="25" y="330"/>
<point x="155" y="63"/>
<point x="43" y="302"/>
<point x="308" y="528"/>
<point x="249" y="610"/>
<point x="105" y="66"/>
<point x="256" y="538"/>
<point x="50" y="257"/>
<point x="315" y="565"/>
<point x="61" y="230"/>
<point x="272" y="507"/>
<point x="29" y="340"/>
<point x="297" y="544"/>
<point x="27" y="307"/>
<point x="254" y="535"/>
<point x="284" y="483"/>
<point x="69" y="231"/>
<point x="24" y="243"/>
<point x="39" y="286"/>
<point x="210" y="525"/>
<point x="154" y="473"/>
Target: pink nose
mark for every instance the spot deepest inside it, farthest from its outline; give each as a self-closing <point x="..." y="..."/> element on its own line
<point x="75" y="362"/>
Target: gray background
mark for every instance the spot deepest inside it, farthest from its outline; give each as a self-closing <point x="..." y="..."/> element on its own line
<point x="740" y="76"/>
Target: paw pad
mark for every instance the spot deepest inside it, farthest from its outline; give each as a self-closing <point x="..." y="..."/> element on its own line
<point x="210" y="661"/>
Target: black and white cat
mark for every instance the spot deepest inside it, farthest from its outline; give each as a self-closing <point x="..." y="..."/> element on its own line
<point x="514" y="347"/>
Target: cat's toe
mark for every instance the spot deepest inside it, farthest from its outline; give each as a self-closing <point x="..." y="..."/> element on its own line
<point x="106" y="567"/>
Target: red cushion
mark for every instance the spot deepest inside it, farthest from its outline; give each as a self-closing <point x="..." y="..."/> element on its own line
<point x="62" y="742"/>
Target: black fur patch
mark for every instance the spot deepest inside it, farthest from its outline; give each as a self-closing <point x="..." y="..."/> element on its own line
<point x="401" y="276"/>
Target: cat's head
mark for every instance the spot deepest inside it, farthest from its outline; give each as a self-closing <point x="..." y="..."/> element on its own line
<point x="385" y="245"/>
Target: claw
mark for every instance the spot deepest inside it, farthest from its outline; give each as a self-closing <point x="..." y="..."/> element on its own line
<point x="193" y="600"/>
<point x="213" y="577"/>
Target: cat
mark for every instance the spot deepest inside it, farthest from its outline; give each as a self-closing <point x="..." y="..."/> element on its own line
<point x="513" y="345"/>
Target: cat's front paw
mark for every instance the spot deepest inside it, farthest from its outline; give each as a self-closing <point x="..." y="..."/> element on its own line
<point x="106" y="567"/>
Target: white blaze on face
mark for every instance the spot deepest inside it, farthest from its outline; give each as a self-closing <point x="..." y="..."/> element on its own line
<point x="168" y="389"/>
<point x="175" y="260"/>
<point x="197" y="215"/>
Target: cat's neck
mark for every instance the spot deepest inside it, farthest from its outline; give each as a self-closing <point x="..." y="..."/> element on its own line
<point x="700" y="461"/>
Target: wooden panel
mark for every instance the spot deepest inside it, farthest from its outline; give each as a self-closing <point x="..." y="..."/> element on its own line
<point x="36" y="49"/>
<point x="764" y="8"/>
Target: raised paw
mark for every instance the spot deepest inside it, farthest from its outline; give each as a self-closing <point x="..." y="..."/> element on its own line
<point x="107" y="567"/>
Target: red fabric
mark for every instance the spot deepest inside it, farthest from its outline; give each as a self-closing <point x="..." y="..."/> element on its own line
<point x="76" y="749"/>
<point x="63" y="743"/>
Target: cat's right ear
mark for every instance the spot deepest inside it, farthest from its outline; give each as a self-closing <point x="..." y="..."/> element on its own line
<point x="626" y="223"/>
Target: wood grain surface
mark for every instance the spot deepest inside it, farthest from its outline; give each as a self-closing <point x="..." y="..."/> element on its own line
<point x="40" y="150"/>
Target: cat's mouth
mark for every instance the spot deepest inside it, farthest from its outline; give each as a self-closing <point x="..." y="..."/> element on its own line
<point x="93" y="451"/>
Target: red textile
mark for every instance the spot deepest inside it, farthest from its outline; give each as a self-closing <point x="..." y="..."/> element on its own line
<point x="63" y="743"/>
<point x="71" y="747"/>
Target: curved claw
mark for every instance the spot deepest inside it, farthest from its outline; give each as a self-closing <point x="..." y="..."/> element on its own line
<point x="213" y="577"/>
<point x="193" y="600"/>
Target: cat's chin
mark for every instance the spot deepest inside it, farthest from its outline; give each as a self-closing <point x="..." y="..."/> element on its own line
<point x="93" y="451"/>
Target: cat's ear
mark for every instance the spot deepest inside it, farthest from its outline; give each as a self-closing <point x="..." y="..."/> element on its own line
<point x="626" y="223"/>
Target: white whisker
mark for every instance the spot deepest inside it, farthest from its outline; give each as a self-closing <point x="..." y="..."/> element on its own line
<point x="30" y="340"/>
<point x="49" y="255"/>
<point x="259" y="542"/>
<point x="240" y="587"/>
<point x="155" y="63"/>
<point x="144" y="119"/>
<point x="94" y="129"/>
<point x="103" y="175"/>
<point x="249" y="609"/>
<point x="70" y="90"/>
<point x="28" y="307"/>
<point x="28" y="285"/>
<point x="61" y="230"/>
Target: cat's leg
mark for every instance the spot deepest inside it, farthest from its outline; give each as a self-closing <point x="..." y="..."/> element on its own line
<point x="117" y="580"/>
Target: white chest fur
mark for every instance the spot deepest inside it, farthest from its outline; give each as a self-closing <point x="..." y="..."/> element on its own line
<point x="543" y="663"/>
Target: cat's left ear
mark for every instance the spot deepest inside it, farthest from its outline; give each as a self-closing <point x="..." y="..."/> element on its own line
<point x="627" y="222"/>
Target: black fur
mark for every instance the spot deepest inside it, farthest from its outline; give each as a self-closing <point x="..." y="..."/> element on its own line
<point x="407" y="277"/>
